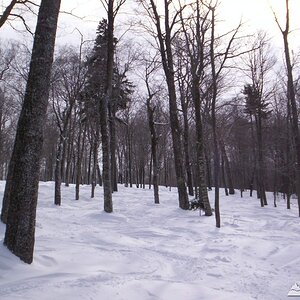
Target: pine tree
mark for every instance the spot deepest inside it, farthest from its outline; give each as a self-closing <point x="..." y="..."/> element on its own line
<point x="94" y="96"/>
<point x="257" y="108"/>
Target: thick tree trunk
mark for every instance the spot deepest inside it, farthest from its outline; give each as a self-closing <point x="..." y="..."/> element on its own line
<point x="186" y="142"/>
<point x="23" y="186"/>
<point x="105" y="103"/>
<point x="177" y="149"/>
<point x="200" y="161"/>
<point x="106" y="170"/>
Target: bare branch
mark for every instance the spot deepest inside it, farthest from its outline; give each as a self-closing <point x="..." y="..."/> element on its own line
<point x="24" y="22"/>
<point x="7" y="12"/>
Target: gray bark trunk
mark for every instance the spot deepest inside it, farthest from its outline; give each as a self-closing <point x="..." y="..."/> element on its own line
<point x="168" y="66"/>
<point x="23" y="186"/>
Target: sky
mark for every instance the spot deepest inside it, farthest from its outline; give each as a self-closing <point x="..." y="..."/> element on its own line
<point x="256" y="14"/>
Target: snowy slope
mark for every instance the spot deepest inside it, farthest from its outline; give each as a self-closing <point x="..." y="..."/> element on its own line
<point x="145" y="251"/>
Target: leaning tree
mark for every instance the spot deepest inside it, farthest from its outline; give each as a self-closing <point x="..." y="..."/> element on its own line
<point x="21" y="190"/>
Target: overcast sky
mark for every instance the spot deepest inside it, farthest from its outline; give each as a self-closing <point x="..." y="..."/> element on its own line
<point x="256" y="14"/>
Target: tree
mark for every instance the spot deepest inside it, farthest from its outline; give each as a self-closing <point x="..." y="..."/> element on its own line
<point x="259" y="63"/>
<point x="67" y="83"/>
<point x="291" y="97"/>
<point x="21" y="189"/>
<point x="9" y="107"/>
<point x="14" y="9"/>
<point x="164" y="37"/>
<point x="257" y="107"/>
<point x="194" y="31"/>
<point x="149" y="70"/>
<point x="184" y="94"/>
<point x="214" y="88"/>
<point x="112" y="9"/>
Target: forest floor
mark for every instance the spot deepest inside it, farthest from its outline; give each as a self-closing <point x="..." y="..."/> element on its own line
<point x="145" y="251"/>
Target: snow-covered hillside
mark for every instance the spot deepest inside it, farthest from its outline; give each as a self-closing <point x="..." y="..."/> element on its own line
<point x="144" y="251"/>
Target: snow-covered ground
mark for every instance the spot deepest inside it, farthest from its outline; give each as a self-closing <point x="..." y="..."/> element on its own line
<point x="144" y="251"/>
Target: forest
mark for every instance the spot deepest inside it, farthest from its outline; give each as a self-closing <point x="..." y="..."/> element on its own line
<point x="177" y="102"/>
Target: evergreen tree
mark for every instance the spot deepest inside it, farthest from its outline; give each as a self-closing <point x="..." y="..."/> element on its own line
<point x="257" y="108"/>
<point x="94" y="95"/>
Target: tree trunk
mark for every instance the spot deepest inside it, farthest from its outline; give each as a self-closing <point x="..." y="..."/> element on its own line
<point x="200" y="162"/>
<point x="80" y="149"/>
<point x="224" y="177"/>
<point x="186" y="142"/>
<point x="168" y="66"/>
<point x="57" y="172"/>
<point x="112" y="126"/>
<point x="292" y="101"/>
<point x="208" y="168"/>
<point x="154" y="142"/>
<point x="104" y="106"/>
<point x="129" y="162"/>
<point x="227" y="170"/>
<point x="106" y="171"/>
<point x="214" y="122"/>
<point x="150" y="170"/>
<point x="23" y="186"/>
<point x="95" y="163"/>
<point x="260" y="167"/>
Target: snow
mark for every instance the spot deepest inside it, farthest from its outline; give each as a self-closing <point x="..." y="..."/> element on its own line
<point x="148" y="251"/>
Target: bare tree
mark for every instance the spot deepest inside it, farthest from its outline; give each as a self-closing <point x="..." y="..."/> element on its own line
<point x="15" y="10"/>
<point x="150" y="69"/>
<point x="195" y="30"/>
<point x="291" y="95"/>
<point x="164" y="31"/>
<point x="67" y="84"/>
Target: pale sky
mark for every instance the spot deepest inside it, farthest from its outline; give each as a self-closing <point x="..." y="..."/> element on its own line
<point x="256" y="14"/>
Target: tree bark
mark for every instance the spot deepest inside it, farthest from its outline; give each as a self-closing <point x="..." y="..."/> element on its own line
<point x="292" y="100"/>
<point x="186" y="143"/>
<point x="112" y="127"/>
<point x="227" y="169"/>
<point x="196" y="57"/>
<point x="154" y="141"/>
<point x="214" y="122"/>
<point x="23" y="186"/>
<point x="164" y="40"/>
<point x="80" y="151"/>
